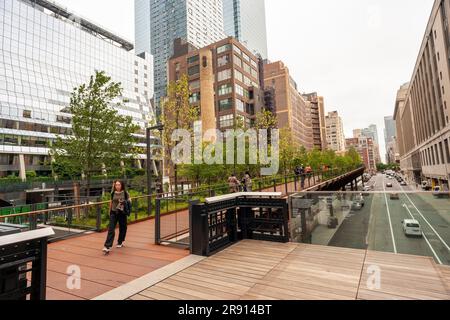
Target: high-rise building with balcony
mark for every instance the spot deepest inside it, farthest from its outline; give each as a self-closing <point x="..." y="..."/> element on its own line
<point x="422" y="109"/>
<point x="45" y="52"/>
<point x="160" y="22"/>
<point x="317" y="105"/>
<point x="292" y="110"/>
<point x="335" y="132"/>
<point x="245" y="20"/>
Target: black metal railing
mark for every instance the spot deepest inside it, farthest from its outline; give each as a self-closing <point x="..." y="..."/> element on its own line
<point x="214" y="226"/>
<point x="23" y="266"/>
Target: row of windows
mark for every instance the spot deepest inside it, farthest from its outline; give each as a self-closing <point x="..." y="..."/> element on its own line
<point x="13" y="140"/>
<point x="32" y="160"/>
<point x="228" y="121"/>
<point x="35" y="127"/>
<point x="437" y="154"/>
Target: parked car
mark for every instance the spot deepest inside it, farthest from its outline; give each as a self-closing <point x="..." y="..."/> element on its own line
<point x="412" y="228"/>
<point x="389" y="185"/>
<point x="439" y="192"/>
<point x="356" y="206"/>
<point x="426" y="186"/>
<point x="403" y="184"/>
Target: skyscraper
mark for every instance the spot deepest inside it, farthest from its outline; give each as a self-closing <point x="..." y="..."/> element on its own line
<point x="160" y="22"/>
<point x="43" y="57"/>
<point x="390" y="133"/>
<point x="292" y="110"/>
<point x="335" y="132"/>
<point x="372" y="132"/>
<point x="246" y="21"/>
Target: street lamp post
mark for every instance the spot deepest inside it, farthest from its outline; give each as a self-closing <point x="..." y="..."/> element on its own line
<point x="160" y="128"/>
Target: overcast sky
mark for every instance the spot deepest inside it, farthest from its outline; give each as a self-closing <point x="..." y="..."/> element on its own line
<point x="356" y="53"/>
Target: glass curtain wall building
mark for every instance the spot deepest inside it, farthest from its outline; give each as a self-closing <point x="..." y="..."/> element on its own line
<point x="246" y="21"/>
<point x="45" y="52"/>
<point x="160" y="22"/>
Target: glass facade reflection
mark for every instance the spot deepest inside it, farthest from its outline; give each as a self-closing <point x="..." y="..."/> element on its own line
<point x="160" y="22"/>
<point x="43" y="57"/>
<point x="246" y="21"/>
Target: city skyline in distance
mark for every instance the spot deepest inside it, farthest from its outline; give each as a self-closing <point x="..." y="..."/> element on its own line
<point x="354" y="53"/>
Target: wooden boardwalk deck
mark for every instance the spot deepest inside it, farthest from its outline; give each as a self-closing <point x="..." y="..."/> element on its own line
<point x="267" y="271"/>
<point x="100" y="274"/>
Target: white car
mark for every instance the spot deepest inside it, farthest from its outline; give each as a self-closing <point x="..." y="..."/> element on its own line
<point x="412" y="228"/>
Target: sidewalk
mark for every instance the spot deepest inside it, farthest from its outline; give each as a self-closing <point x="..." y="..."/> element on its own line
<point x="322" y="235"/>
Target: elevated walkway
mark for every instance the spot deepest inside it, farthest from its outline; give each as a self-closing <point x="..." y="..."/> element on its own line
<point x="265" y="271"/>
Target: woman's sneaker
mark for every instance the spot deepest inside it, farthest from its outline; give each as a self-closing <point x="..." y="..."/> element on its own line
<point x="106" y="250"/>
<point x="120" y="246"/>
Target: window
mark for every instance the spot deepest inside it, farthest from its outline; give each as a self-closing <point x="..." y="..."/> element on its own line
<point x="195" y="97"/>
<point x="225" y="89"/>
<point x="223" y="48"/>
<point x="250" y="108"/>
<point x="224" y="75"/>
<point x="246" y="57"/>
<point x="237" y="61"/>
<point x="193" y="59"/>
<point x="247" y="68"/>
<point x="226" y="121"/>
<point x="254" y="64"/>
<point x="225" y="104"/>
<point x="194" y="85"/>
<point x="254" y="73"/>
<point x="238" y="76"/>
<point x="447" y="151"/>
<point x="192" y="71"/>
<point x="27" y="114"/>
<point x="223" y="60"/>
<point x="237" y="50"/>
<point x="10" y="140"/>
<point x="239" y="105"/>
<point x="239" y="90"/>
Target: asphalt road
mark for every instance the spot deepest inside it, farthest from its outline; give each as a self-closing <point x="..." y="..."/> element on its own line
<point x="378" y="226"/>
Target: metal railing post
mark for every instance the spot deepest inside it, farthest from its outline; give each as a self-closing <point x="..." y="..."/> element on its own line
<point x="286" y="184"/>
<point x="98" y="224"/>
<point x="158" y="222"/>
<point x="135" y="207"/>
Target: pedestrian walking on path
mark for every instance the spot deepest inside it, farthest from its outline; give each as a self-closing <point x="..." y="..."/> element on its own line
<point x="233" y="183"/>
<point x="248" y="184"/>
<point x="120" y="209"/>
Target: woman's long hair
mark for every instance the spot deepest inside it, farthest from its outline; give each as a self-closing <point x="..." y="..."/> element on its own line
<point x="123" y="186"/>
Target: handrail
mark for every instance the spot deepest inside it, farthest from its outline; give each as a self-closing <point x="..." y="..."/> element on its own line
<point x="171" y="193"/>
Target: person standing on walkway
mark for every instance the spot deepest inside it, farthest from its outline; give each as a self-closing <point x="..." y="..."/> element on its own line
<point x="248" y="184"/>
<point x="301" y="172"/>
<point x="120" y="209"/>
<point x="233" y="183"/>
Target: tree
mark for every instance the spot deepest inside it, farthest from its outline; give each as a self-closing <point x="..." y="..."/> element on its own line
<point x="101" y="138"/>
<point x="177" y="113"/>
<point x="266" y="120"/>
<point x="287" y="150"/>
<point x="354" y="157"/>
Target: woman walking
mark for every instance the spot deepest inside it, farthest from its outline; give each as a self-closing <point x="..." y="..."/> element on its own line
<point x="248" y="182"/>
<point x="119" y="209"/>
